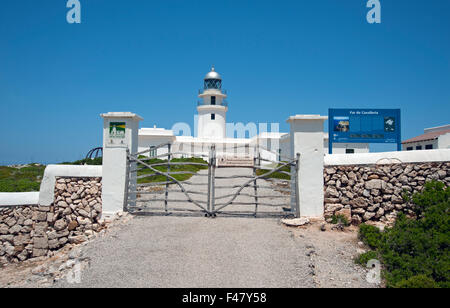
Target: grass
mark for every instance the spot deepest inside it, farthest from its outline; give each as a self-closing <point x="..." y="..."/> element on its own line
<point x="24" y="179"/>
<point x="28" y="179"/>
<point x="276" y="175"/>
<point x="173" y="168"/>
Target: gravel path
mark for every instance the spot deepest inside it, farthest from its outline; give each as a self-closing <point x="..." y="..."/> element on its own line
<point x="197" y="252"/>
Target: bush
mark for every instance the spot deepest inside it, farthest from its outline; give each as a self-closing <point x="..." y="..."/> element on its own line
<point x="340" y="219"/>
<point x="370" y="235"/>
<point x="86" y="161"/>
<point x="415" y="252"/>
<point x="366" y="257"/>
<point x="418" y="282"/>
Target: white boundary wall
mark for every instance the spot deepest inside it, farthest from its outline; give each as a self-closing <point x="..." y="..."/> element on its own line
<point x="46" y="194"/>
<point x="388" y="157"/>
<point x="18" y="198"/>
<point x="47" y="191"/>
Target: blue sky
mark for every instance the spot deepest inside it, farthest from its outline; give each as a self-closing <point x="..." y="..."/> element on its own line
<point x="277" y="58"/>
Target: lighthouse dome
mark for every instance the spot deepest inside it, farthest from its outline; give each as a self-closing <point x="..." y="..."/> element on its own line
<point x="213" y="75"/>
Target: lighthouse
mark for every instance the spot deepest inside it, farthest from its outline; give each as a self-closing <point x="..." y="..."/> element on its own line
<point x="212" y="108"/>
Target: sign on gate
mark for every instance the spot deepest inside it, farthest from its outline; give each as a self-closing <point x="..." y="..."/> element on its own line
<point x="233" y="161"/>
<point x="117" y="130"/>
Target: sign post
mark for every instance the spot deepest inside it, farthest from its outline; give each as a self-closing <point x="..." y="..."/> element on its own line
<point x="120" y="134"/>
<point x="364" y="126"/>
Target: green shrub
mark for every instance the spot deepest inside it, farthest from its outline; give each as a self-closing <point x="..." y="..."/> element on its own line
<point x="86" y="161"/>
<point x="432" y="195"/>
<point x="366" y="257"/>
<point x="415" y="252"/>
<point x="340" y="219"/>
<point x="418" y="282"/>
<point x="370" y="235"/>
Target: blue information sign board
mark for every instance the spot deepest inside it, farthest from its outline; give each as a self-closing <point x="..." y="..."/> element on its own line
<point x="364" y="126"/>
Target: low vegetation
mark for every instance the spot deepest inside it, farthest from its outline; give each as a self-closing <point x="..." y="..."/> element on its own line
<point x="415" y="251"/>
<point x="28" y="178"/>
<point x="21" y="179"/>
<point x="340" y="220"/>
<point x="276" y="175"/>
<point x="152" y="178"/>
<point x="87" y="161"/>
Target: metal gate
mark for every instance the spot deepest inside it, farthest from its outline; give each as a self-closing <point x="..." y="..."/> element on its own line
<point x="183" y="183"/>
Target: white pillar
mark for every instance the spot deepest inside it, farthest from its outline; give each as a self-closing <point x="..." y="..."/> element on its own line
<point x="307" y="137"/>
<point x="120" y="133"/>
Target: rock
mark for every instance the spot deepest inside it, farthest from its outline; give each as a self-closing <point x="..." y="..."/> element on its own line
<point x="366" y="193"/>
<point x="22" y="240"/>
<point x="72" y="225"/>
<point x="323" y="227"/>
<point x="98" y="207"/>
<point x="53" y="244"/>
<point x="331" y="192"/>
<point x="40" y="242"/>
<point x="396" y="199"/>
<point x="359" y="202"/>
<point x="331" y="208"/>
<point x="62" y="204"/>
<point x="23" y="255"/>
<point x="83" y="213"/>
<point x="331" y="200"/>
<point x="60" y="225"/>
<point x="442" y="174"/>
<point x="330" y="171"/>
<point x="39" y="252"/>
<point x="296" y="222"/>
<point x="11" y="222"/>
<point x="375" y="184"/>
<point x="9" y="249"/>
<point x="368" y="216"/>
<point x="78" y="239"/>
<point x="4" y="229"/>
<point x="379" y="213"/>
<point x="15" y="229"/>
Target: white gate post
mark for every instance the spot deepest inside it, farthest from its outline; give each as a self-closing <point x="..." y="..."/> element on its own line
<point x="307" y="138"/>
<point x="120" y="133"/>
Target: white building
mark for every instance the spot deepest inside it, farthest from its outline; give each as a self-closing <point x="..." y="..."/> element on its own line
<point x="432" y="139"/>
<point x="212" y="130"/>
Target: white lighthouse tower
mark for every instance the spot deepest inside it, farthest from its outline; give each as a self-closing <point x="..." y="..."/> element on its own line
<point x="212" y="109"/>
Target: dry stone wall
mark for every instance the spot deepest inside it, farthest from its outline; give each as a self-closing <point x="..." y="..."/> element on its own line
<point x="35" y="231"/>
<point x="376" y="192"/>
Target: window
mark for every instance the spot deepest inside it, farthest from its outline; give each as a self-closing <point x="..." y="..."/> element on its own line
<point x="429" y="147"/>
<point x="419" y="147"/>
<point x="349" y="151"/>
<point x="213" y="100"/>
<point x="409" y="148"/>
<point x="152" y="151"/>
<point x="213" y="116"/>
